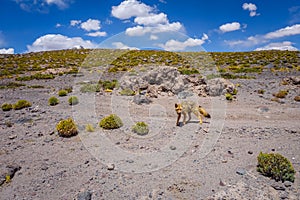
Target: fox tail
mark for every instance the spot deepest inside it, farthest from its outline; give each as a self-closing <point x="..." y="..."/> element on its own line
<point x="203" y="112"/>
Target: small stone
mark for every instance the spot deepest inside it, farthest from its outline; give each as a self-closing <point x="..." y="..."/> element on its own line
<point x="111" y="166"/>
<point x="12" y="137"/>
<point x="250" y="152"/>
<point x="287" y="184"/>
<point x="241" y="171"/>
<point x="222" y="183"/>
<point x="278" y="186"/>
<point x="172" y="147"/>
<point x="86" y="195"/>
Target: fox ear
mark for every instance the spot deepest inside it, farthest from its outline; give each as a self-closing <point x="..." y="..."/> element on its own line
<point x="176" y="105"/>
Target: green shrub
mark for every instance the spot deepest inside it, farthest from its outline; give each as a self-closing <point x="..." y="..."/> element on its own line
<point x="109" y="84"/>
<point x="140" y="128"/>
<point x="89" y="128"/>
<point x="73" y="100"/>
<point x="260" y="91"/>
<point x="6" y="106"/>
<point x="67" y="128"/>
<point x="53" y="101"/>
<point x="111" y="122"/>
<point x="21" y="104"/>
<point x="188" y="70"/>
<point x="90" y="88"/>
<point x="281" y="94"/>
<point x="127" y="92"/>
<point x="275" y="166"/>
<point x="229" y="96"/>
<point x="62" y="93"/>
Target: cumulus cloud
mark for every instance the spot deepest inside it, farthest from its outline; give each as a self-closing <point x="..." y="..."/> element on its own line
<point x="175" y="45"/>
<point x="7" y="51"/>
<point x="91" y="25"/>
<point x="57" y="42"/>
<point x="230" y="27"/>
<point x="97" y="34"/>
<point x="120" y="45"/>
<point x="286" y="45"/>
<point x="152" y="19"/>
<point x="287" y="31"/>
<point x="130" y="8"/>
<point x="259" y="39"/>
<point x="252" y="8"/>
<point x="145" y="18"/>
<point x="62" y="4"/>
<point x="75" y="22"/>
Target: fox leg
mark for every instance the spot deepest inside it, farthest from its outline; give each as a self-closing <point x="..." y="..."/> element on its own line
<point x="189" y="117"/>
<point x="184" y="118"/>
<point x="200" y="119"/>
<point x="178" y="118"/>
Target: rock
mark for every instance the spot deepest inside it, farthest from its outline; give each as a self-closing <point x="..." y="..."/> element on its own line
<point x="240" y="171"/>
<point x="172" y="147"/>
<point x="250" y="152"/>
<point x="111" y="166"/>
<point x="278" y="186"/>
<point x="222" y="183"/>
<point x="184" y="94"/>
<point x="86" y="195"/>
<point x="219" y="86"/>
<point x="152" y="91"/>
<point x="141" y="99"/>
<point x="9" y="170"/>
<point x="287" y="184"/>
<point x="11" y="137"/>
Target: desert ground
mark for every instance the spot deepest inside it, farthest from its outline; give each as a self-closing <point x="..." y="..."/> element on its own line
<point x="213" y="160"/>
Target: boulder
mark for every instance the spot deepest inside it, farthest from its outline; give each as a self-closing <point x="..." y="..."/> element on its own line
<point x="219" y="86"/>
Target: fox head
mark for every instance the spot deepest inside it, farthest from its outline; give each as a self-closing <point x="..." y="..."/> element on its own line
<point x="178" y="108"/>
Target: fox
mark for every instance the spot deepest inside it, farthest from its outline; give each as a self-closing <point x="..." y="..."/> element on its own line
<point x="188" y="107"/>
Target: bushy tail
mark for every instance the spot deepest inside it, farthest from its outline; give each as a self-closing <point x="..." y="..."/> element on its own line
<point x="203" y="112"/>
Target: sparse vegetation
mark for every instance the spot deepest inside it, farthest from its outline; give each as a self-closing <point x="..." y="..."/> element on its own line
<point x="111" y="122"/>
<point x="10" y="85"/>
<point x="281" y="94"/>
<point x="37" y="76"/>
<point x="21" y="104"/>
<point x="140" y="128"/>
<point x="67" y="128"/>
<point x="276" y="166"/>
<point x="89" y="128"/>
<point x="260" y="91"/>
<point x="73" y="100"/>
<point x="127" y="92"/>
<point x="90" y="88"/>
<point x="62" y="93"/>
<point x="53" y="101"/>
<point x="229" y="96"/>
<point x="110" y="85"/>
<point x="6" y="106"/>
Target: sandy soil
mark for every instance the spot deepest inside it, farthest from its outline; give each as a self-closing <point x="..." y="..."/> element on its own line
<point x="215" y="160"/>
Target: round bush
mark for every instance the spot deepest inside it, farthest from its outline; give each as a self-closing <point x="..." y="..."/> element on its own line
<point x="140" y="128"/>
<point x="275" y="166"/>
<point x="6" y="106"/>
<point x="73" y="100"/>
<point x="67" y="128"/>
<point x="111" y="122"/>
<point x="53" y="101"/>
<point x="21" y="104"/>
<point x="62" y="93"/>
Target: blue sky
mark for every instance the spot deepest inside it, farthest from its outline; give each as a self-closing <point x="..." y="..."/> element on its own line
<point x="181" y="25"/>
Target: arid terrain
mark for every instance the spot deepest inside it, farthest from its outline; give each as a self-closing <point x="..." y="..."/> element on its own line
<point x="214" y="160"/>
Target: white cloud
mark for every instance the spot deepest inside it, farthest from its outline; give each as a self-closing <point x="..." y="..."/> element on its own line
<point x="159" y="28"/>
<point x="153" y="37"/>
<point x="58" y="25"/>
<point x="286" y="45"/>
<point x="252" y="8"/>
<point x="152" y="19"/>
<point x="230" y="27"/>
<point x="75" y="22"/>
<point x="91" y="25"/>
<point x="97" y="34"/>
<point x="120" y="45"/>
<point x="175" y="45"/>
<point x="260" y="39"/>
<point x="62" y="4"/>
<point x="130" y="8"/>
<point x="287" y="31"/>
<point x="7" y="51"/>
<point x="57" y="42"/>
